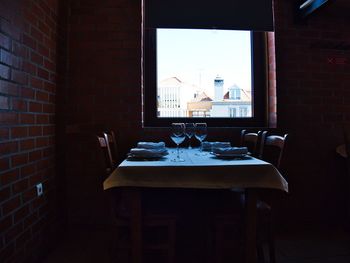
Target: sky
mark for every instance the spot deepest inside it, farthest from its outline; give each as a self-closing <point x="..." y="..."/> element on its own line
<point x="197" y="56"/>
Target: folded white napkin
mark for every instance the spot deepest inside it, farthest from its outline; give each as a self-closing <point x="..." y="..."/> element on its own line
<point x="209" y="146"/>
<point x="144" y="153"/>
<point x="151" y="145"/>
<point x="206" y="146"/>
<point x="231" y="150"/>
<point x="220" y="145"/>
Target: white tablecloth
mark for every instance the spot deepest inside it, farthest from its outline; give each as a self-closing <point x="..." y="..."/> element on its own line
<point x="197" y="172"/>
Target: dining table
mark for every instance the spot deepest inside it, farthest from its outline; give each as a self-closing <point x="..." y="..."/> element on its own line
<point x="198" y="171"/>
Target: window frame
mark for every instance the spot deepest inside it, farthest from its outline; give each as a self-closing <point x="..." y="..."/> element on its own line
<point x="259" y="87"/>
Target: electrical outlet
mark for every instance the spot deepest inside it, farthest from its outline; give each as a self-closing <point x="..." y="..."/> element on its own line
<point x="39" y="189"/>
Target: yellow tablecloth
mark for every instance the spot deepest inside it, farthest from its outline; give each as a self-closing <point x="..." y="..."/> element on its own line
<point x="196" y="171"/>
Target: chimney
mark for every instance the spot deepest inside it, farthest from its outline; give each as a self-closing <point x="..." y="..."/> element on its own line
<point x="218" y="88"/>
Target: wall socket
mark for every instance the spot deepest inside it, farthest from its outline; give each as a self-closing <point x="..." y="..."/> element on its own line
<point x="39" y="189"/>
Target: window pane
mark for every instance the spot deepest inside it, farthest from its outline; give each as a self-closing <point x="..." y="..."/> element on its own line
<point x="204" y="73"/>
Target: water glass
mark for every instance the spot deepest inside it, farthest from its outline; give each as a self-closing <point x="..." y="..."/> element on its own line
<point x="178" y="136"/>
<point x="200" y="133"/>
<point x="189" y="131"/>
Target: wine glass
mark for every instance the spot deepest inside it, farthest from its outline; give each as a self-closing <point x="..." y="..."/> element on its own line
<point x="189" y="131"/>
<point x="178" y="136"/>
<point x="201" y="133"/>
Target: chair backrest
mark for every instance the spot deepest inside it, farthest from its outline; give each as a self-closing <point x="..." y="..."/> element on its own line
<point x="107" y="143"/>
<point x="111" y="148"/>
<point x="273" y="149"/>
<point x="254" y="141"/>
<point x="104" y="150"/>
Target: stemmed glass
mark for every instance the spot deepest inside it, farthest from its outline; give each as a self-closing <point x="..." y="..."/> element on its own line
<point x="189" y="131"/>
<point x="178" y="136"/>
<point x="201" y="133"/>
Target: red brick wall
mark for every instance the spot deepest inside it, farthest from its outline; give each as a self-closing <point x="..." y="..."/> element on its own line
<point x="313" y="104"/>
<point x="105" y="69"/>
<point x="105" y="91"/>
<point x="28" y="86"/>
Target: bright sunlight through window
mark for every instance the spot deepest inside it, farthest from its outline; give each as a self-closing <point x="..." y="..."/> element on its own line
<point x="204" y="73"/>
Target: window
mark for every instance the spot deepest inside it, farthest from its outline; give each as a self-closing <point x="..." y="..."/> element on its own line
<point x="235" y="93"/>
<point x="202" y="70"/>
<point x="196" y="74"/>
<point x="243" y="112"/>
<point x="233" y="112"/>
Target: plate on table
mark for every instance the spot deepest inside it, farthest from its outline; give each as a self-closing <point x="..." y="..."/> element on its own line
<point x="231" y="156"/>
<point x="132" y="157"/>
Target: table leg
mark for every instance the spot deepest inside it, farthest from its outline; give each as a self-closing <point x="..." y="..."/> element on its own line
<point x="136" y="226"/>
<point x="250" y="226"/>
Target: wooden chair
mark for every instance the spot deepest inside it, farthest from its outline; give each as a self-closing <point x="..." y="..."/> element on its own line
<point x="158" y="229"/>
<point x="105" y="155"/>
<point x="111" y="148"/>
<point x="227" y="223"/>
<point x="272" y="151"/>
<point x="108" y="146"/>
<point x="253" y="141"/>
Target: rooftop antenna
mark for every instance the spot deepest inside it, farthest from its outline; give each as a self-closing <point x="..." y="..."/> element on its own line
<point x="200" y="78"/>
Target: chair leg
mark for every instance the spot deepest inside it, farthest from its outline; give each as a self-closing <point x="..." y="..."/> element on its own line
<point x="218" y="244"/>
<point x="272" y="256"/>
<point x="260" y="253"/>
<point x="172" y="239"/>
<point x="271" y="241"/>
